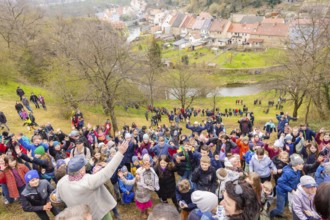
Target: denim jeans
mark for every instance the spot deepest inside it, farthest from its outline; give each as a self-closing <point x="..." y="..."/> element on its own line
<point x="5" y="192"/>
<point x="280" y="204"/>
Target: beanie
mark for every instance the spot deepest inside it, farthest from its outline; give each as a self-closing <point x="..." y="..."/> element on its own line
<point x="134" y="158"/>
<point x="205" y="201"/>
<point x="55" y="143"/>
<point x="39" y="150"/>
<point x="288" y="137"/>
<point x="32" y="174"/>
<point x="145" y="137"/>
<point x="144" y="151"/>
<point x="295" y="159"/>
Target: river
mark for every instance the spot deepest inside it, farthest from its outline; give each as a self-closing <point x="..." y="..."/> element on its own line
<point x="233" y="90"/>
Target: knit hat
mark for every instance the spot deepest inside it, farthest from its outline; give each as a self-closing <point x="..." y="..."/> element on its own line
<point x="134" y="158"/>
<point x="80" y="140"/>
<point x="32" y="174"/>
<point x="144" y="151"/>
<point x="39" y="150"/>
<point x="74" y="133"/>
<point x="59" y="163"/>
<point x="307" y="181"/>
<point x="145" y="137"/>
<point x="124" y="169"/>
<point x="295" y="159"/>
<point x="127" y="135"/>
<point x="288" y="137"/>
<point x="205" y="201"/>
<point x="55" y="143"/>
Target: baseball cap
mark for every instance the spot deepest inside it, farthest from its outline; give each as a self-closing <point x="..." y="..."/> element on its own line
<point x="76" y="163"/>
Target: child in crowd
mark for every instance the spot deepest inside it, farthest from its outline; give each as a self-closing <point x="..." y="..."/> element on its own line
<point x="274" y="150"/>
<point x="41" y="162"/>
<point x="288" y="145"/>
<point x="248" y="156"/>
<point x="148" y="182"/>
<point x="165" y="169"/>
<point x="262" y="165"/>
<point x="207" y="204"/>
<point x="243" y="144"/>
<point x="185" y="161"/>
<point x="287" y="183"/>
<point x="224" y="176"/>
<point x="12" y="175"/>
<point x="310" y="154"/>
<point x="136" y="163"/>
<point x="204" y="176"/>
<point x="267" y="196"/>
<point x="254" y="180"/>
<point x="280" y="162"/>
<point x="35" y="196"/>
<point x="303" y="200"/>
<point x="183" y="196"/>
<point x="126" y="190"/>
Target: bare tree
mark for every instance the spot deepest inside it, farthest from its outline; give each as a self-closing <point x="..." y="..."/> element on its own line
<point x="307" y="68"/>
<point x="19" y="22"/>
<point x="101" y="57"/>
<point x="184" y="84"/>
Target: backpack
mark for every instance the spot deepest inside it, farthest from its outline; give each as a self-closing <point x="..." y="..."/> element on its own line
<point x="85" y="151"/>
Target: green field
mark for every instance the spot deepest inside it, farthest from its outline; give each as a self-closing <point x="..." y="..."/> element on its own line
<point x="226" y="59"/>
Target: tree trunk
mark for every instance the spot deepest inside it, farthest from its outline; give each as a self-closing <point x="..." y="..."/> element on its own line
<point x="214" y="103"/>
<point x="113" y="120"/>
<point x="295" y="109"/>
<point x="307" y="110"/>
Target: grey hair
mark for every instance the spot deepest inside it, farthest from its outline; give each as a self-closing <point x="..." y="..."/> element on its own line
<point x="78" y="212"/>
<point x="164" y="212"/>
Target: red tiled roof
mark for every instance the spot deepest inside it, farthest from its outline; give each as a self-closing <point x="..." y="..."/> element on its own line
<point x="218" y="25"/>
<point x="191" y="23"/>
<point x="273" y="21"/>
<point x="155" y="29"/>
<point x="198" y="24"/>
<point x="254" y="40"/>
<point x="280" y="30"/>
<point x="242" y="28"/>
<point x="186" y="21"/>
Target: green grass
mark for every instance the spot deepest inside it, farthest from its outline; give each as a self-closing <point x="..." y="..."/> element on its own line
<point x="226" y="59"/>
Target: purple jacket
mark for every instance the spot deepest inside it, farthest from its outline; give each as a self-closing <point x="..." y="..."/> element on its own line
<point x="301" y="201"/>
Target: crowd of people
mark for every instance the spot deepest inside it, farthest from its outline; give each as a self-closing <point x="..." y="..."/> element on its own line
<point x="207" y="173"/>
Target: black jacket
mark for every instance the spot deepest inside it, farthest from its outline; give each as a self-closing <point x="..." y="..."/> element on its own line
<point x="34" y="198"/>
<point x="167" y="182"/>
<point x="205" y="180"/>
<point x="3" y="118"/>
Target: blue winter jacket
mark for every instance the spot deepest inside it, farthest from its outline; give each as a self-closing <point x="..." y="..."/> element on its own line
<point x="248" y="156"/>
<point x="32" y="147"/>
<point x="308" y="134"/>
<point x="289" y="180"/>
<point x="160" y="150"/>
<point x="126" y="188"/>
<point x="197" y="129"/>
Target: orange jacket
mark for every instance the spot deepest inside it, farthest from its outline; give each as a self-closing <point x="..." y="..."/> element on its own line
<point x="243" y="148"/>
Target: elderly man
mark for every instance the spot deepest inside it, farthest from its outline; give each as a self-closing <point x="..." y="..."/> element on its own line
<point x="78" y="187"/>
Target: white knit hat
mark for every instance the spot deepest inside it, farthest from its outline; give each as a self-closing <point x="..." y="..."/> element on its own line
<point x="205" y="201"/>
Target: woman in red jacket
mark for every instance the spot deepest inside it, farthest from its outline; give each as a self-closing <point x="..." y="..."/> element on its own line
<point x="12" y="175"/>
